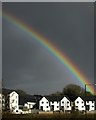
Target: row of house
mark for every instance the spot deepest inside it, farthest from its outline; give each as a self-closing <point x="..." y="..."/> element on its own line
<point x="16" y="103"/>
<point x="63" y="103"/>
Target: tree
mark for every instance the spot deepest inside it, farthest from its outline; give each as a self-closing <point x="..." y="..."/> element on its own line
<point x="73" y="90"/>
<point x="56" y="93"/>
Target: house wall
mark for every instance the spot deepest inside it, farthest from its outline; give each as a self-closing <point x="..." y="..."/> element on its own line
<point x="79" y="104"/>
<point x="65" y="103"/>
<point x="0" y="103"/>
<point x="56" y="105"/>
<point x="91" y="105"/>
<point x="29" y="105"/>
<point x="44" y="104"/>
<point x="13" y="101"/>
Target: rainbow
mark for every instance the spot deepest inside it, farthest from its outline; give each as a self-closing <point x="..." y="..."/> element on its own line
<point x="62" y="57"/>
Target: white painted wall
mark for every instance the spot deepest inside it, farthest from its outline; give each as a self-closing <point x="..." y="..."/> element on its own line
<point x="65" y="103"/>
<point x="91" y="105"/>
<point x="13" y="101"/>
<point x="56" y="105"/>
<point x="0" y="103"/>
<point x="79" y="104"/>
<point x="29" y="105"/>
<point x="45" y="104"/>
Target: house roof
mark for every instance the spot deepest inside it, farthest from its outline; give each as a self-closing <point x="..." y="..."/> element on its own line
<point x="73" y="98"/>
<point x="26" y="98"/>
<point x="6" y="91"/>
<point x="55" y="98"/>
<point x="89" y="98"/>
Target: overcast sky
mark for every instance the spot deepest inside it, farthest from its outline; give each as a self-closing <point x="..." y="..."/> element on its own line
<point x="28" y="65"/>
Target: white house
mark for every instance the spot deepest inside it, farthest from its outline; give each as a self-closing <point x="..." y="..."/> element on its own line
<point x="26" y="103"/>
<point x="90" y="103"/>
<point x="44" y="104"/>
<point x="29" y="105"/>
<point x="2" y="101"/>
<point x="55" y="103"/>
<point x="14" y="102"/>
<point x="65" y="104"/>
<point x="79" y="104"/>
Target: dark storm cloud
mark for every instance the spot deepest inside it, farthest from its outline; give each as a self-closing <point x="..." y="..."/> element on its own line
<point x="27" y="64"/>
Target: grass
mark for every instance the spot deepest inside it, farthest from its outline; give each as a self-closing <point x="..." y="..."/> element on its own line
<point x="55" y="116"/>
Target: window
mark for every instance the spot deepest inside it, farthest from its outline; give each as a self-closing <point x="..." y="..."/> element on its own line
<point x="82" y="106"/>
<point x="82" y="102"/>
<point x="77" y="101"/>
<point x="76" y="106"/>
<point x="42" y="102"/>
<point x="67" y="101"/>
<point x="46" y="106"/>
<point x="47" y="102"/>
<point x="67" y="106"/>
<point x="92" y="101"/>
<point x="57" y="106"/>
<point x="92" y="106"/>
<point x="62" y="101"/>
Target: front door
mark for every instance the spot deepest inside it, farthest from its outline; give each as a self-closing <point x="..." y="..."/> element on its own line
<point x="87" y="107"/>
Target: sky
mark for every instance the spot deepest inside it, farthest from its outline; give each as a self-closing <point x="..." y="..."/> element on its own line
<point x="28" y="65"/>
